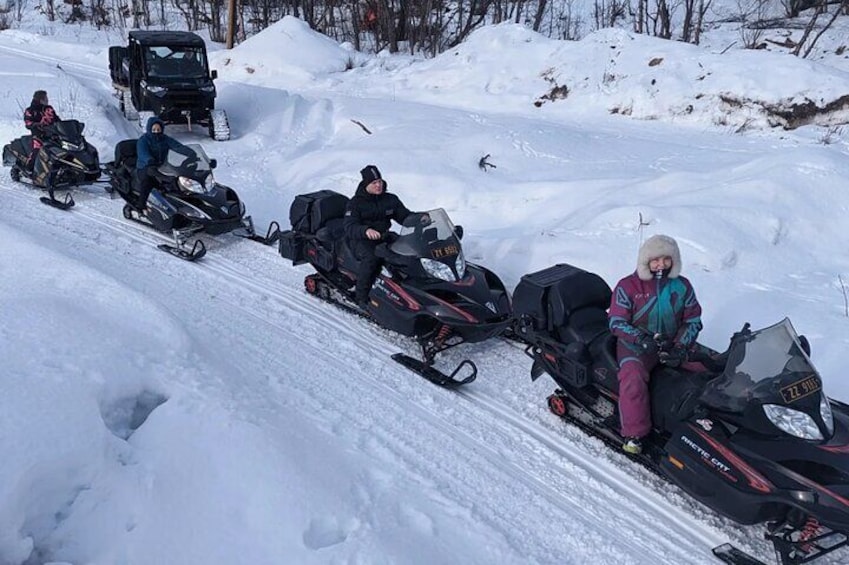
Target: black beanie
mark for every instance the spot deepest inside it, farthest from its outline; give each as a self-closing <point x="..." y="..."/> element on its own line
<point x="39" y="96"/>
<point x="370" y="173"/>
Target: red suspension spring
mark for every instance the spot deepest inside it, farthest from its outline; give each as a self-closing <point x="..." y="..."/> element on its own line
<point x="444" y="331"/>
<point x="809" y="531"/>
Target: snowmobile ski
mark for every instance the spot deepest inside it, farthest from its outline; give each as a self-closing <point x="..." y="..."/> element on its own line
<point x="436" y="376"/>
<point x="65" y="204"/>
<point x="727" y="553"/>
<point x="197" y="251"/>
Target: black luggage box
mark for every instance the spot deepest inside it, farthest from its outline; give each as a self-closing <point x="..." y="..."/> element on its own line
<point x="548" y="297"/>
<point x="309" y="212"/>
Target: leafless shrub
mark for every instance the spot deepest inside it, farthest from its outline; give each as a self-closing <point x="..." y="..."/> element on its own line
<point x="750" y="12"/>
<point x="832" y="135"/>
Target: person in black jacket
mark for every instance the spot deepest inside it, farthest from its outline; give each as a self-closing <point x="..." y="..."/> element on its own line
<point x="368" y="218"/>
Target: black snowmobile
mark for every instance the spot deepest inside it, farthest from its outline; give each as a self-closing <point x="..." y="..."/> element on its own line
<point x="65" y="160"/>
<point x="753" y="437"/>
<point x="426" y="290"/>
<point x="187" y="202"/>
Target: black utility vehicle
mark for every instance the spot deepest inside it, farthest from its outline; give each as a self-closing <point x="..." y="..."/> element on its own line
<point x="166" y="74"/>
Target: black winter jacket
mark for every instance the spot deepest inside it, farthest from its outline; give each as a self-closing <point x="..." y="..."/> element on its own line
<point x="375" y="211"/>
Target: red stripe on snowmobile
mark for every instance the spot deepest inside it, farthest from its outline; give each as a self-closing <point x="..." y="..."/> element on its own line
<point x="835" y="448"/>
<point x="807" y="482"/>
<point x="756" y="480"/>
<point x="468" y="281"/>
<point x="412" y="303"/>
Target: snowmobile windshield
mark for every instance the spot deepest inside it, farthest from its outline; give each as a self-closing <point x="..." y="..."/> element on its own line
<point x="71" y="130"/>
<point x="189" y="163"/>
<point x="432" y="238"/>
<point x="175" y="62"/>
<point x="767" y="366"/>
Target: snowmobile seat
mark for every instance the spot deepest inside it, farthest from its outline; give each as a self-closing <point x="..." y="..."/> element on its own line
<point x="584" y="326"/>
<point x="125" y="154"/>
<point x="332" y="230"/>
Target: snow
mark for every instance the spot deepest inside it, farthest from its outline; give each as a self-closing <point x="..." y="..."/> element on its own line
<point x="157" y="411"/>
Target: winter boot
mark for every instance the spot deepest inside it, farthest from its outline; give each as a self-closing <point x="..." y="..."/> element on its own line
<point x="632" y="445"/>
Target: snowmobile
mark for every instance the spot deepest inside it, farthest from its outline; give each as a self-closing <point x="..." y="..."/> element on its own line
<point x="187" y="202"/>
<point x="426" y="289"/>
<point x="753" y="436"/>
<point x="65" y="160"/>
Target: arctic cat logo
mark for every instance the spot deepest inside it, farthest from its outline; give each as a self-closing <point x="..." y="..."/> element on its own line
<point x="393" y="296"/>
<point x="707" y="457"/>
<point x="492" y="307"/>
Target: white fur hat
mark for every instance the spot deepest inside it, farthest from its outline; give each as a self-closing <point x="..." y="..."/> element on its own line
<point x="654" y="247"/>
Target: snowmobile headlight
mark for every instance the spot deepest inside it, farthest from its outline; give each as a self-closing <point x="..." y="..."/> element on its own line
<point x="460" y="266"/>
<point x="825" y="412"/>
<point x="195" y="214"/>
<point x="155" y="89"/>
<point x="68" y="146"/>
<point x="793" y="422"/>
<point x="437" y="270"/>
<point x="191" y="185"/>
<point x="207" y="88"/>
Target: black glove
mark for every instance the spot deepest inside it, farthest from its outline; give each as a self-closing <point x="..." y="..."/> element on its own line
<point x="674" y="356"/>
<point x="647" y="344"/>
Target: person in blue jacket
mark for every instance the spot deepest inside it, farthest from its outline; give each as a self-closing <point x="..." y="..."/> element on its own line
<point x="152" y="150"/>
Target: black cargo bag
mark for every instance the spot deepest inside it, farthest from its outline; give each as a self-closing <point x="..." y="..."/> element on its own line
<point x="8" y="157"/>
<point x="547" y="298"/>
<point x="291" y="246"/>
<point x="310" y="212"/>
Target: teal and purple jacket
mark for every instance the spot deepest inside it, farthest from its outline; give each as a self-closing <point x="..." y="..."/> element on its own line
<point x="666" y="306"/>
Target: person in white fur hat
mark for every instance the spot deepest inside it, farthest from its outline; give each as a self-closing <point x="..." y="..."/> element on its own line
<point x="652" y="304"/>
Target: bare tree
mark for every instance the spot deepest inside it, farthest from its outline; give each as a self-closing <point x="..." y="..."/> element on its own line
<point x="844" y="5"/>
<point x="751" y="13"/>
<point x="608" y="13"/>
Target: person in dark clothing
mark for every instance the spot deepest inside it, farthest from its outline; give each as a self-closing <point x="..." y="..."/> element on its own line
<point x="38" y="116"/>
<point x="152" y="150"/>
<point x="368" y="218"/>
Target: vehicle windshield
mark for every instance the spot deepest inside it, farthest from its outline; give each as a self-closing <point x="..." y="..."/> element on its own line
<point x="767" y="366"/>
<point x="176" y="62"/>
<point x="71" y="130"/>
<point x="433" y="238"/>
<point x="189" y="161"/>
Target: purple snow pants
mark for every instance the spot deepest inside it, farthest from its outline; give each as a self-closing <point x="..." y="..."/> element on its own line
<point x="634" y="406"/>
<point x="634" y="398"/>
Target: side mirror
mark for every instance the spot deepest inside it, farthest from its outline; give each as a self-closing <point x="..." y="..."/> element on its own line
<point x="458" y="231"/>
<point x="806" y="345"/>
<point x="213" y="163"/>
<point x="214" y="74"/>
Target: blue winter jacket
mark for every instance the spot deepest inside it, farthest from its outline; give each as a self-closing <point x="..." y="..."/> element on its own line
<point x="152" y="148"/>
